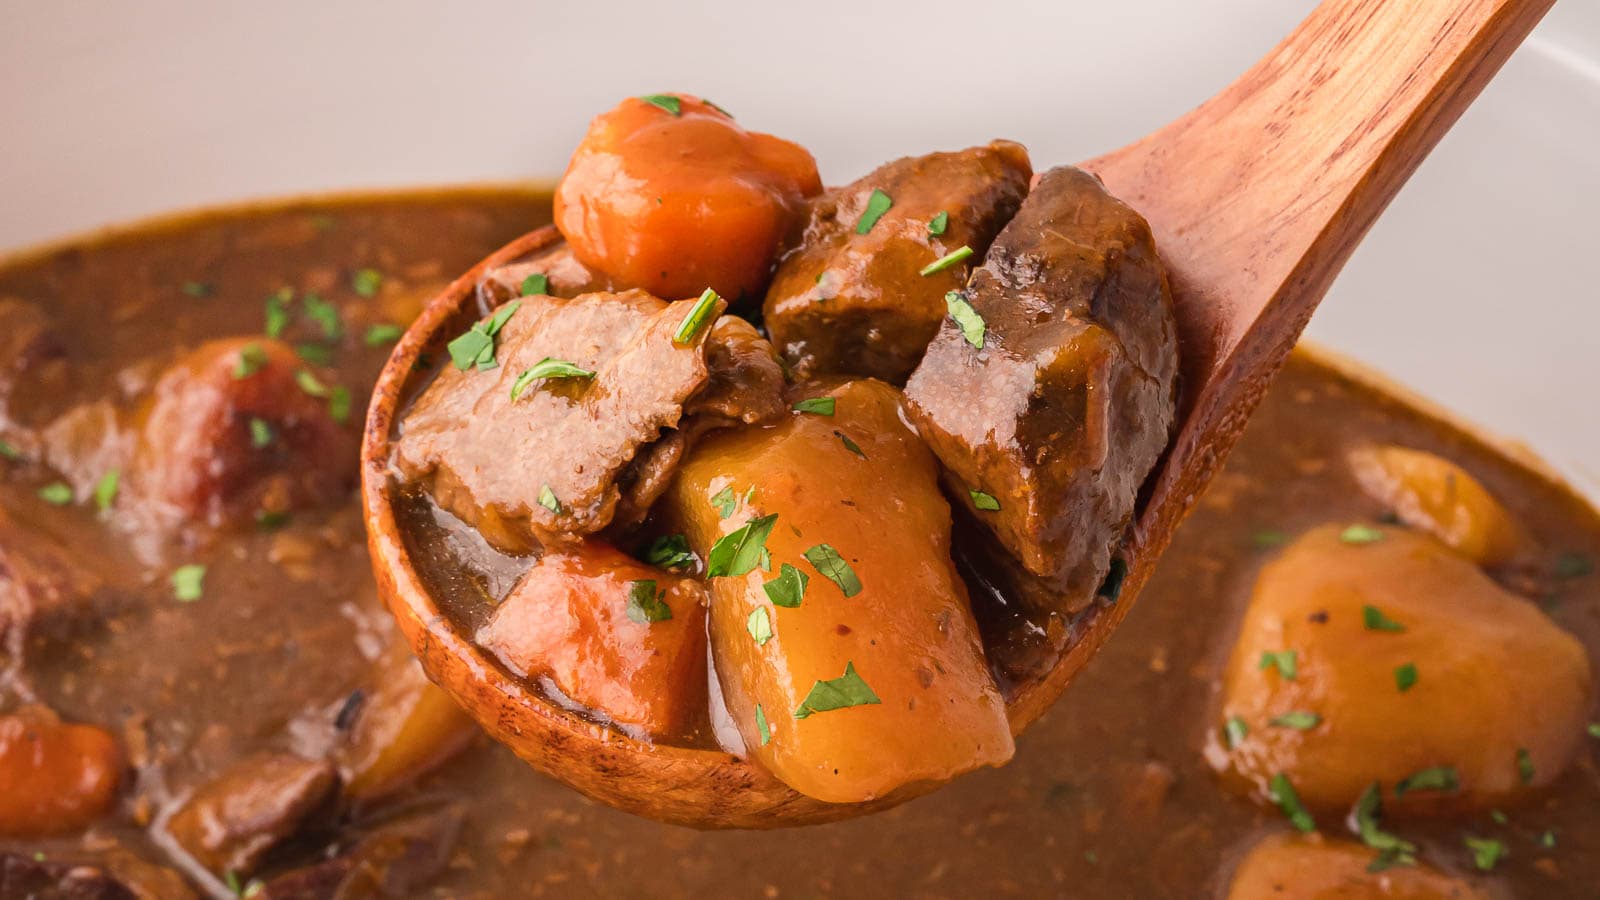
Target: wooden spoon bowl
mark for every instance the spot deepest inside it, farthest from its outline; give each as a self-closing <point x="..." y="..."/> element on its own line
<point x="1256" y="198"/>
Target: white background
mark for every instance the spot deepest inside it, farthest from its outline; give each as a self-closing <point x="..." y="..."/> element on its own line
<point x="1477" y="288"/>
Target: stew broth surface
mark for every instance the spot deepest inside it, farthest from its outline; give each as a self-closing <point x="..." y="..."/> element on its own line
<point x="1109" y="794"/>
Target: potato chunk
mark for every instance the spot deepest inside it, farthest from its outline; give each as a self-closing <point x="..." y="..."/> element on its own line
<point x="406" y="726"/>
<point x="1435" y="495"/>
<point x="614" y="635"/>
<point x="54" y="776"/>
<point x="1284" y="866"/>
<point x="844" y="645"/>
<point x="1378" y="655"/>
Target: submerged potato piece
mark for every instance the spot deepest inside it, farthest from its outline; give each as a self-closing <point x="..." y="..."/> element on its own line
<point x="1059" y="403"/>
<point x="844" y="302"/>
<point x="1411" y="661"/>
<point x="861" y="542"/>
<point x="406" y="726"/>
<point x="1283" y="866"/>
<point x="1435" y="495"/>
<point x="673" y="197"/>
<point x="201" y="454"/>
<point x="54" y="776"/>
<point x="614" y="635"/>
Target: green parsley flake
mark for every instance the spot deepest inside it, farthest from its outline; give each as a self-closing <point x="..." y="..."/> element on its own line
<point x="817" y="406"/>
<point x="339" y="402"/>
<point x="188" y="582"/>
<point x="1298" y="719"/>
<point x="1438" y="778"/>
<point x="197" y="289"/>
<point x="105" y="490"/>
<point x="365" y="282"/>
<point x="971" y="324"/>
<point x="382" y="333"/>
<point x="701" y="313"/>
<point x="325" y="314"/>
<point x="1116" y="573"/>
<point x="548" y="500"/>
<point x="667" y="102"/>
<point x="271" y="519"/>
<point x="1282" y="792"/>
<point x="1361" y="534"/>
<point x="1573" y="565"/>
<point x="251" y="359"/>
<point x="1234" y="731"/>
<point x="9" y="451"/>
<point x="310" y="383"/>
<point x="645" y="606"/>
<point x="1270" y="538"/>
<point x="277" y="318"/>
<point x="952" y="258"/>
<point x="759" y="626"/>
<point x="1547" y="840"/>
<point x="761" y="726"/>
<point x="984" y="501"/>
<point x="725" y="501"/>
<point x="56" y="493"/>
<point x="670" y="551"/>
<point x="838" y="693"/>
<point x="789" y="588"/>
<point x="549" y="367"/>
<point x="1392" y="849"/>
<point x="739" y="551"/>
<point x="1374" y="619"/>
<point x="475" y="346"/>
<point x="1594" y="730"/>
<point x="833" y="567"/>
<point x="1287" y="662"/>
<point x="535" y="284"/>
<point x="316" y="354"/>
<point x="1525" y="765"/>
<point x="1405" y="677"/>
<point x="1499" y="817"/>
<point x="877" y="204"/>
<point x="938" y="224"/>
<point x="1486" y="852"/>
<point x="850" y="445"/>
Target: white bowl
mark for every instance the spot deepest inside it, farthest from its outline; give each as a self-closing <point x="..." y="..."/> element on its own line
<point x="117" y="110"/>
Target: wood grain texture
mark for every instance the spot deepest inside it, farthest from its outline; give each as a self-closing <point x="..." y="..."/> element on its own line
<point x="1256" y="198"/>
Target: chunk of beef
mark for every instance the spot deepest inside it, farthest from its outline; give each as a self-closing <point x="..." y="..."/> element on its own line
<point x="231" y="823"/>
<point x="27" y="345"/>
<point x="396" y="859"/>
<point x="587" y="446"/>
<point x="851" y="303"/>
<point x="564" y="276"/>
<point x="42" y="585"/>
<point x="85" y="442"/>
<point x="114" y="874"/>
<point x="746" y="383"/>
<point x="1067" y="406"/>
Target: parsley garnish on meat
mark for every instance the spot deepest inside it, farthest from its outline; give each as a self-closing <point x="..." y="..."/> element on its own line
<point x="1282" y="792"/>
<point x="877" y="204"/>
<point x="759" y="626"/>
<point x="105" y="490"/>
<point x="188" y="582"/>
<point x="548" y="500"/>
<point x="1287" y="662"/>
<point x="938" y="224"/>
<point x="843" y="692"/>
<point x="9" y="452"/>
<point x="946" y="261"/>
<point x="325" y="314"/>
<point x="725" y="501"/>
<point x="817" y="406"/>
<point x="250" y="360"/>
<point x="56" y="493"/>
<point x="549" y="367"/>
<point x="1486" y="852"/>
<point x="277" y="314"/>
<point x="197" y="289"/>
<point x="833" y="567"/>
<point x="984" y="501"/>
<point x="670" y="551"/>
<point x="666" y="102"/>
<point x="1116" y="573"/>
<point x="365" y="282"/>
<point x="1525" y="765"/>
<point x="645" y="606"/>
<point x="1234" y="731"/>
<point x="739" y="551"/>
<point x="1374" y="620"/>
<point x="475" y="346"/>
<point x="382" y="333"/>
<point x="1298" y="719"/>
<point x="697" y="318"/>
<point x="789" y="588"/>
<point x="971" y="324"/>
<point x="1405" y="676"/>
<point x="1438" y="778"/>
<point x="1361" y="534"/>
<point x="534" y="284"/>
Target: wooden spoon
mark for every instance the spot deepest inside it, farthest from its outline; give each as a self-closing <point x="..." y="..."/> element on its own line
<point x="1257" y="198"/>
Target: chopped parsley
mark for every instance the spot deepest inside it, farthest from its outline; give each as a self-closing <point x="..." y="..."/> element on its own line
<point x="188" y="582"/>
<point x="1282" y="792"/>
<point x="250" y="360"/>
<point x="1486" y="852"/>
<point x="365" y="282"/>
<point x="1392" y="849"/>
<point x="1270" y="538"/>
<point x="789" y="588"/>
<point x="1405" y="677"/>
<point x="316" y="354"/>
<point x="817" y="406"/>
<point x="984" y="501"/>
<point x="197" y="289"/>
<point x="549" y="367"/>
<point x="667" y="102"/>
<point x="325" y="314"/>
<point x="971" y="324"/>
<point x="1234" y="731"/>
<point x="759" y="626"/>
<point x="1374" y="619"/>
<point x="761" y="726"/>
<point x="535" y="284"/>
<point x="725" y="501"/>
<point x="277" y="316"/>
<point x="850" y="445"/>
<point x="1361" y="534"/>
<point x="1525" y="765"/>
<point x="1116" y="573"/>
<point x="260" y="432"/>
<point x="837" y="693"/>
<point x="475" y="346"/>
<point x="739" y="551"/>
<point x="1547" y="840"/>
<point x="1438" y="778"/>
<point x="310" y="383"/>
<point x="105" y="490"/>
<point x="1287" y="662"/>
<point x="548" y="500"/>
<point x="1594" y="730"/>
<point x="339" y="404"/>
<point x="382" y="333"/>
<point x="8" y="451"/>
<point x="670" y="551"/>
<point x="56" y="493"/>
<point x="1298" y="719"/>
<point x="271" y="519"/>
<point x="833" y="567"/>
<point x="698" y="316"/>
<point x="954" y="257"/>
<point x="645" y="606"/>
<point x="938" y="224"/>
<point x="877" y="204"/>
<point x="1573" y="565"/>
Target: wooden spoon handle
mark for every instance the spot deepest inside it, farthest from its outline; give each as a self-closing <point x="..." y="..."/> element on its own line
<point x="1259" y="196"/>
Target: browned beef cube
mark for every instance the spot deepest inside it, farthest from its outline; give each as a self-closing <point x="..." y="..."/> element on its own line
<point x="1067" y="405"/>
<point x="851" y="303"/>
<point x="231" y="823"/>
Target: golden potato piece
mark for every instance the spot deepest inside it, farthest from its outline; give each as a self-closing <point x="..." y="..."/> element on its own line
<point x="1378" y="655"/>
<point x="1286" y="867"/>
<point x="847" y="654"/>
<point x="404" y="728"/>
<point x="1435" y="495"/>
